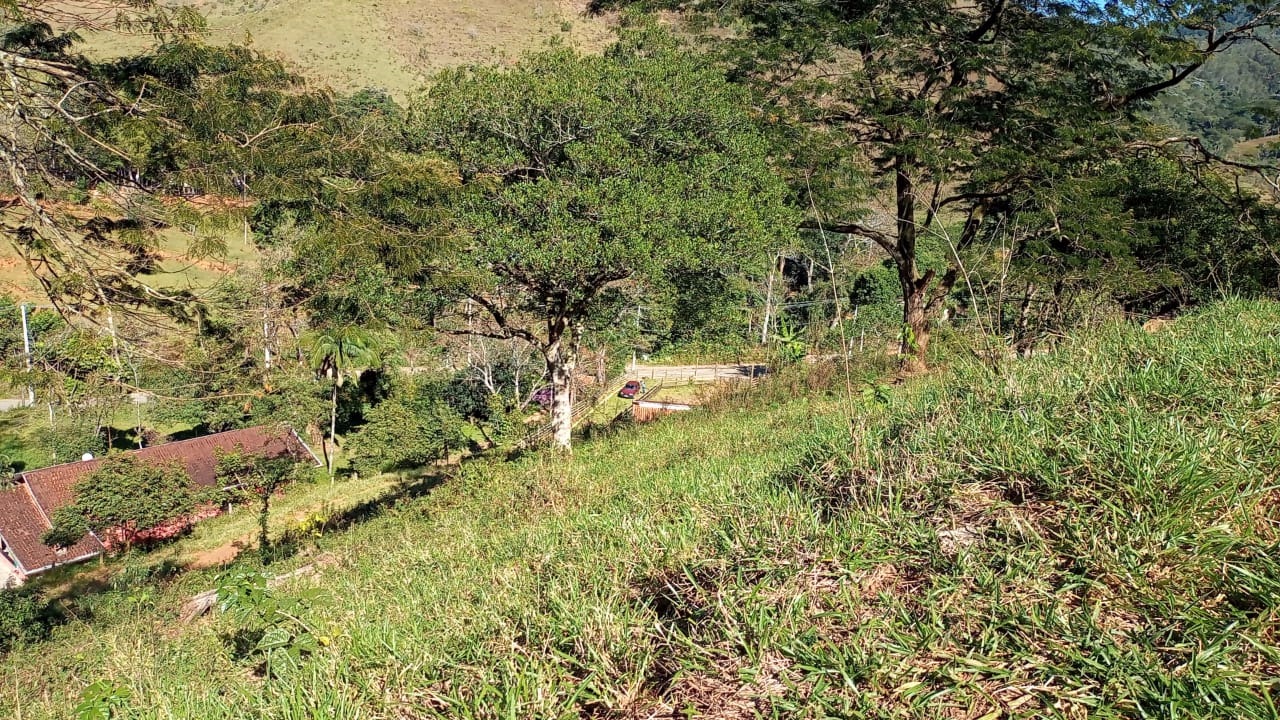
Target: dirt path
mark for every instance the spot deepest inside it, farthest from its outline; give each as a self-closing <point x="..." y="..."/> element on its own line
<point x="216" y="557"/>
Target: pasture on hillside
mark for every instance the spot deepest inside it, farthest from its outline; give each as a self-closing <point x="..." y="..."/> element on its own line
<point x="393" y="45"/>
<point x="1087" y="533"/>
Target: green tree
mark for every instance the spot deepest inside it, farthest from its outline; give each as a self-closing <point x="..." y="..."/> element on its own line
<point x="178" y="116"/>
<point x="1138" y="234"/>
<point x="413" y="427"/>
<point x="126" y="496"/>
<point x="590" y="179"/>
<point x="25" y="616"/>
<point x="955" y="107"/>
<point x="102" y="152"/>
<point x="254" y="477"/>
<point x="338" y="352"/>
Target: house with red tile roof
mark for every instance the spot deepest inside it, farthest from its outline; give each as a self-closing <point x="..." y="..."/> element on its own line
<point x="27" y="507"/>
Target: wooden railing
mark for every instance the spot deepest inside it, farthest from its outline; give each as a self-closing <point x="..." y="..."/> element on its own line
<point x="580" y="410"/>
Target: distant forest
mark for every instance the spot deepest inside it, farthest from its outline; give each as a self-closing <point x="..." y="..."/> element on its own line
<point x="1233" y="99"/>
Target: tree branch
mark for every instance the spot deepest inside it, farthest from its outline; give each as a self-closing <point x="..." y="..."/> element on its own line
<point x="500" y="318"/>
<point x="1216" y="42"/>
<point x="883" y="239"/>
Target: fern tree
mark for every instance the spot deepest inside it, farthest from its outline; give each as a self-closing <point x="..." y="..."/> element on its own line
<point x="338" y="353"/>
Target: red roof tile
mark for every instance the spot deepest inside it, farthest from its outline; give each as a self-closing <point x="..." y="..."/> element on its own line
<point x="22" y="524"/>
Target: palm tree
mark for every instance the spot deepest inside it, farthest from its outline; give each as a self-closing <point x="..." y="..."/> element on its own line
<point x="338" y="352"/>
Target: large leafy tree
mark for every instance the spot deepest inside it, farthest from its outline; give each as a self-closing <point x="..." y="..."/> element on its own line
<point x="953" y="107"/>
<point x="590" y="180"/>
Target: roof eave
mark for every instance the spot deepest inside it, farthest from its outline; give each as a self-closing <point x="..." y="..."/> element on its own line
<point x="72" y="561"/>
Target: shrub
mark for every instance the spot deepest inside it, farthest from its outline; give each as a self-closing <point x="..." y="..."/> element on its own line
<point x="272" y="630"/>
<point x="7" y="470"/>
<point x="125" y="497"/>
<point x="24" y="617"/>
<point x="68" y="442"/>
<point x="413" y="427"/>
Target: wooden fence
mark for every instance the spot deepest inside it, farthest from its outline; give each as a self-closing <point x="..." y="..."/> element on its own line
<point x="581" y="409"/>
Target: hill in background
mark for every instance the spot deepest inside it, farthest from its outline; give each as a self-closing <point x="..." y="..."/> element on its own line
<point x="391" y="44"/>
<point x="348" y="45"/>
<point x="1233" y="102"/>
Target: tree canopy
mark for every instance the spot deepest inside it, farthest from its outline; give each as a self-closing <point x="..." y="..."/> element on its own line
<point x="589" y="182"/>
<point x="125" y="496"/>
<point x="952" y="108"/>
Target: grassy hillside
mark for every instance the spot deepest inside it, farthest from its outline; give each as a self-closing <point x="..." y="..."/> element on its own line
<point x="178" y="268"/>
<point x="1092" y="533"/>
<point x="391" y="44"/>
<point x="1252" y="148"/>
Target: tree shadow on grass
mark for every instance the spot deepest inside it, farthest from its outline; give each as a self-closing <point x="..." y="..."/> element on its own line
<point x="408" y="489"/>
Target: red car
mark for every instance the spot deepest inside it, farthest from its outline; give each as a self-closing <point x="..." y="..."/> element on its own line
<point x="630" y="390"/>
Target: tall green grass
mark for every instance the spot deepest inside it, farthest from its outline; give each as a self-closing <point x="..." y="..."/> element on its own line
<point x="1087" y="534"/>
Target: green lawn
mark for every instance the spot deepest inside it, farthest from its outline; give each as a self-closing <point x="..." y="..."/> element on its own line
<point x="1092" y="533"/>
<point x="16" y="438"/>
<point x="691" y="393"/>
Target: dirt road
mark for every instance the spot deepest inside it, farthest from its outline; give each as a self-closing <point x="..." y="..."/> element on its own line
<point x="697" y="373"/>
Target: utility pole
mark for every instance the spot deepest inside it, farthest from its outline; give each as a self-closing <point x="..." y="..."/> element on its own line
<point x="26" y="349"/>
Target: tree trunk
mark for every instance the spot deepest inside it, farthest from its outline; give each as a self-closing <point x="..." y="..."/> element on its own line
<point x="1021" y="343"/>
<point x="264" y="513"/>
<point x="333" y="429"/>
<point x="562" y="360"/>
<point x="768" y="302"/>
<point x="915" y="302"/>
<point x="916" y="326"/>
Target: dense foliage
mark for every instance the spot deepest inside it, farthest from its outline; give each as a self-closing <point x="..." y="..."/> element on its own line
<point x="592" y="183"/>
<point x="25" y="617"/>
<point x="644" y="199"/>
<point x="124" y="498"/>
<point x="414" y="427"/>
<point x="957" y="110"/>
